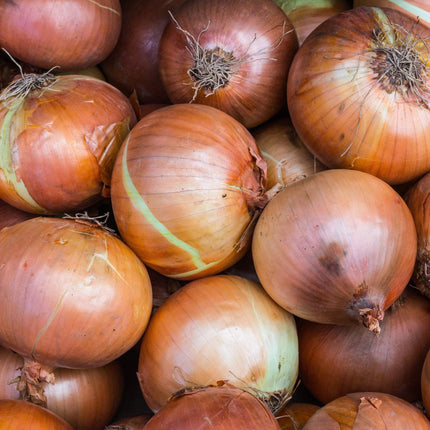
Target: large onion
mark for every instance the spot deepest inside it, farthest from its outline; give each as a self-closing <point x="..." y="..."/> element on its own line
<point x="358" y="93"/>
<point x="220" y="327"/>
<point x="60" y="136"/>
<point x="187" y="186"/>
<point x="72" y="34"/>
<point x="336" y="247"/>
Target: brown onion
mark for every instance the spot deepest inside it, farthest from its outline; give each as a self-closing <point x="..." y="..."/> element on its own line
<point x="85" y="398"/>
<point x="72" y="34"/>
<point x="425" y="383"/>
<point x="187" y="186"/>
<point x="215" y="328"/>
<point x="10" y="215"/>
<point x="233" y="55"/>
<point x="337" y="360"/>
<point x="221" y="407"/>
<point x="337" y="247"/>
<point x="295" y="415"/>
<point x="368" y="410"/>
<point x="358" y="93"/>
<point x="60" y="137"/>
<point x="136" y="422"/>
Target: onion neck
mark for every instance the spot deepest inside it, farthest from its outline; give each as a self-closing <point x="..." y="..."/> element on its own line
<point x="368" y="313"/>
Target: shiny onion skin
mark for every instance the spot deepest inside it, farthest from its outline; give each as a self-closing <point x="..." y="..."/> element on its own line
<point x="425" y="383"/>
<point x="214" y="408"/>
<point x="295" y="415"/>
<point x="60" y="141"/>
<point x="86" y="398"/>
<point x="353" y="104"/>
<point x="288" y="160"/>
<point x="187" y="186"/>
<point x="417" y="199"/>
<point x="72" y="34"/>
<point x="220" y="327"/>
<point x="233" y="55"/>
<point x="72" y="294"/>
<point x="133" y="63"/>
<point x="337" y="247"/>
<point x="306" y="15"/>
<point x="22" y="415"/>
<point x="337" y="360"/>
<point x="368" y="411"/>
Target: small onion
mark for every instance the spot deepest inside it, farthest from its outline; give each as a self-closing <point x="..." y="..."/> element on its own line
<point x="219" y="408"/>
<point x="368" y="410"/>
<point x="220" y="327"/>
<point x="86" y="398"/>
<point x="425" y="383"/>
<point x="337" y="360"/>
<point x="20" y="415"/>
<point x="295" y="415"/>
<point x="337" y="247"/>
<point x="187" y="186"/>
<point x="358" y="93"/>
<point x="233" y="55"/>
<point x="72" y="34"/>
<point x="60" y="136"/>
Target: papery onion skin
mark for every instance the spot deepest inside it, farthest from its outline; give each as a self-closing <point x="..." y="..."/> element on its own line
<point x="72" y="294"/>
<point x="337" y="360"/>
<point x="425" y="383"/>
<point x="186" y="187"/>
<point x="220" y="327"/>
<point x="220" y="408"/>
<point x="348" y="106"/>
<point x="337" y="247"/>
<point x="86" y="398"/>
<point x="52" y="163"/>
<point x="19" y="414"/>
<point x="368" y="410"/>
<point x="253" y="42"/>
<point x="72" y="34"/>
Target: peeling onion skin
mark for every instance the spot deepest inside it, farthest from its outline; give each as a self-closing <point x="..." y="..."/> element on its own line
<point x="73" y="34"/>
<point x="72" y="294"/>
<point x="54" y="163"/>
<point x="218" y="408"/>
<point x="368" y="410"/>
<point x="220" y="327"/>
<point x="346" y="111"/>
<point x="338" y="247"/>
<point x="187" y="185"/>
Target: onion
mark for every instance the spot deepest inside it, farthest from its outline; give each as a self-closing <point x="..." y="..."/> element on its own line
<point x="220" y="327"/>
<point x="337" y="247"/>
<point x="72" y="34"/>
<point x="53" y="163"/>
<point x="358" y="93"/>
<point x="72" y="295"/>
<point x="222" y="408"/>
<point x="133" y="63"/>
<point x="187" y="186"/>
<point x="337" y="360"/>
<point x="136" y="422"/>
<point x="295" y="415"/>
<point x="85" y="398"/>
<point x="425" y="383"/>
<point x="288" y="160"/>
<point x="368" y="410"/>
<point x="233" y="55"/>
<point x="10" y="215"/>
<point x="306" y="15"/>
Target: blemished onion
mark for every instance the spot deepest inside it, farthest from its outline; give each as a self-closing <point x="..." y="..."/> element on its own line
<point x="20" y="415"/>
<point x="368" y="410"/>
<point x="358" y="93"/>
<point x="133" y="63"/>
<point x="220" y="407"/>
<point x="306" y="15"/>
<point x="425" y="383"/>
<point x="220" y="327"/>
<point x="295" y="415"/>
<point x="72" y="34"/>
<point x="417" y="199"/>
<point x="233" y="55"/>
<point x="336" y="247"/>
<point x="86" y="398"/>
<point x="288" y="160"/>
<point x="337" y="360"/>
<point x="72" y="295"/>
<point x="60" y="137"/>
<point x="187" y="186"/>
